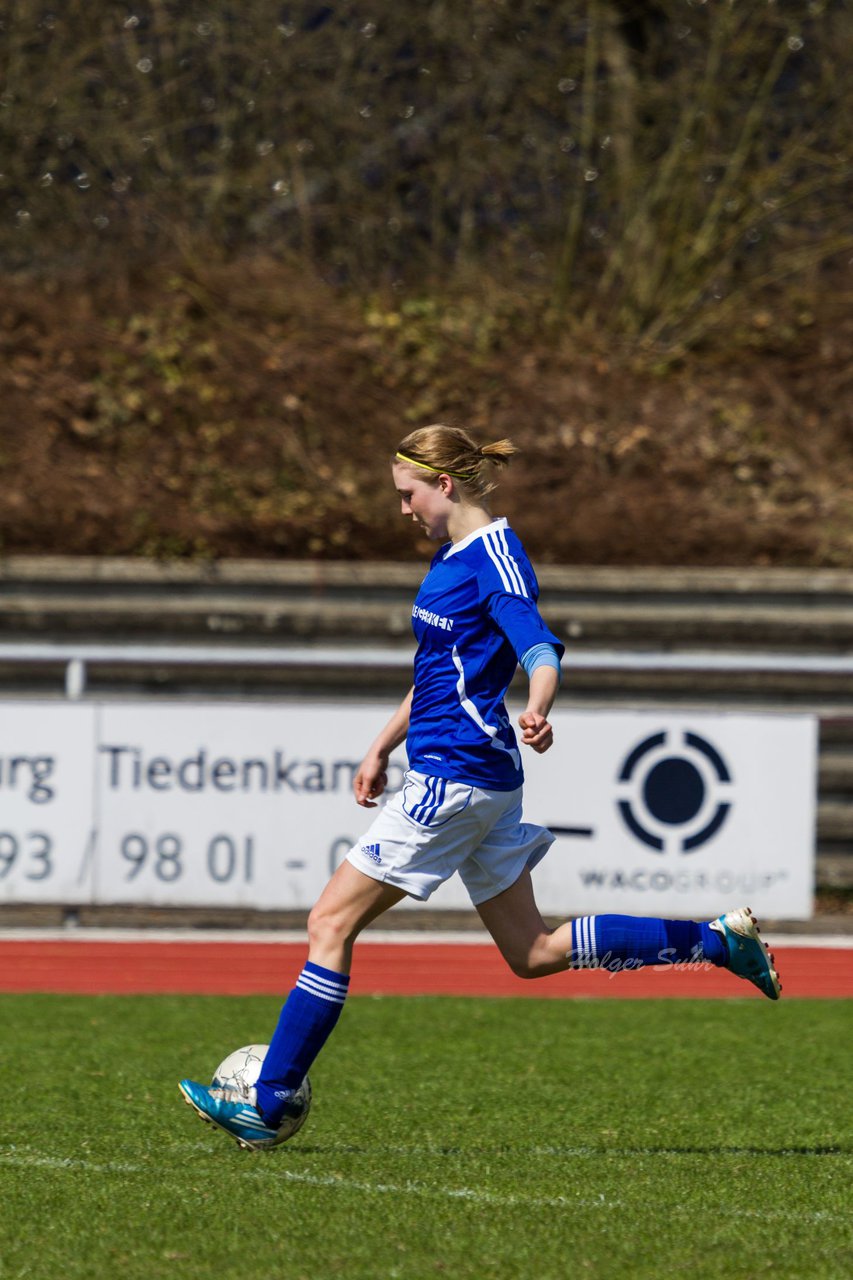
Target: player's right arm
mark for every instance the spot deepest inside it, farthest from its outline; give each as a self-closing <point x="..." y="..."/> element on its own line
<point x="371" y="778"/>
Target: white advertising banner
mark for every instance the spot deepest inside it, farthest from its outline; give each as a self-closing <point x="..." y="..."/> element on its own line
<point x="224" y="804"/>
<point x="228" y="805"/>
<point x="46" y="802"/>
<point x="669" y="813"/>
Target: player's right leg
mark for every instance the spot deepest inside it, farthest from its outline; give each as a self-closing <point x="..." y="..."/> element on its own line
<point x="348" y="903"/>
<point x="235" y="1114"/>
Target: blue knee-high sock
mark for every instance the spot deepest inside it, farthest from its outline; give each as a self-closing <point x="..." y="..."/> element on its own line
<point x="307" y="1020"/>
<point x="629" y="942"/>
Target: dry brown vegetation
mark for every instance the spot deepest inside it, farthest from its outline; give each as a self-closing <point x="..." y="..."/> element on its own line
<point x="247" y="249"/>
<point x="248" y="413"/>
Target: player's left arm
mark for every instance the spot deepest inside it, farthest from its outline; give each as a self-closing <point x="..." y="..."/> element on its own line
<point x="539" y="652"/>
<point x="533" y="721"/>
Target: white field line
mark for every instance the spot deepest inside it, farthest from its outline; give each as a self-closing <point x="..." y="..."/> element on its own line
<point x="413" y="937"/>
<point x="22" y="1158"/>
<point x="470" y="1194"/>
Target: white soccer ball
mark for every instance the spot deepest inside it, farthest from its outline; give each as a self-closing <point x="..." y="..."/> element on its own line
<point x="240" y="1070"/>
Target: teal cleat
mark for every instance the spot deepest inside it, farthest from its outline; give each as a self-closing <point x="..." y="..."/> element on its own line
<point x="232" y="1112"/>
<point x="748" y="957"/>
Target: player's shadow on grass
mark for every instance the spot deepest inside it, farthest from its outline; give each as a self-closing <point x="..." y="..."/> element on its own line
<point x="729" y="1151"/>
<point x="338" y="1149"/>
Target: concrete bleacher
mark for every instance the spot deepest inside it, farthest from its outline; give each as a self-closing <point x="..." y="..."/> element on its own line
<point x="779" y="639"/>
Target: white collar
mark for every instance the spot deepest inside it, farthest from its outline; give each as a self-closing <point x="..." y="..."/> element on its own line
<point x="499" y="522"/>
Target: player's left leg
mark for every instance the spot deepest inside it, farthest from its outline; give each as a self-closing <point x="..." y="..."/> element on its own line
<point x="530" y="948"/>
<point x="615" y="942"/>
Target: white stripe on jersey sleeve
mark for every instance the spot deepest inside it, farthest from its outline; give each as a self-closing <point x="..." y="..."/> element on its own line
<point x="493" y="556"/>
<point x="510" y="561"/>
<point x="510" y="574"/>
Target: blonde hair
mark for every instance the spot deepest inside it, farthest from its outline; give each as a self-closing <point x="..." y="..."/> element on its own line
<point x="451" y="451"/>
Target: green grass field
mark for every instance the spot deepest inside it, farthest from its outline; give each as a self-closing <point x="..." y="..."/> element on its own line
<point x="460" y="1138"/>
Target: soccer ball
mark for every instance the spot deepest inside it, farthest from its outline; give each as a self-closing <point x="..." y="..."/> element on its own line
<point x="241" y="1069"/>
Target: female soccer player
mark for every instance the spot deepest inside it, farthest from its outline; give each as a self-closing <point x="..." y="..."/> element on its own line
<point x="475" y="619"/>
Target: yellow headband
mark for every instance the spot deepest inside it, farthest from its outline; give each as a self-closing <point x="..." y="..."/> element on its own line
<point x="439" y="471"/>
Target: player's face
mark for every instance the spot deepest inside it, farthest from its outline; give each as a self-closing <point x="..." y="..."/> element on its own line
<point x="424" y="500"/>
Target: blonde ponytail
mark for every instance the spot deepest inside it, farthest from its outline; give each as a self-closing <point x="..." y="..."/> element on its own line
<point x="499" y="452"/>
<point x="450" y="451"/>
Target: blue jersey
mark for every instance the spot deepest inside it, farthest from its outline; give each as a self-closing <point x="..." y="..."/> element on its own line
<point x="474" y="616"/>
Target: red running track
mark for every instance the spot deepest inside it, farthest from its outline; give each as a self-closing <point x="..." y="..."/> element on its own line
<point x="85" y="967"/>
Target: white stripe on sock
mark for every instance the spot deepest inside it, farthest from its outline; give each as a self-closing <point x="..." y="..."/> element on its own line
<point x="335" y="996"/>
<point x="331" y="984"/>
<point x="586" y="943"/>
<point x="580" y="958"/>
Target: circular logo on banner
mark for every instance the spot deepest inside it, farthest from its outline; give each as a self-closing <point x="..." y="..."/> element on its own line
<point x="674" y="791"/>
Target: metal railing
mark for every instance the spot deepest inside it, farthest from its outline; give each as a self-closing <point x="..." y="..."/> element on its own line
<point x="77" y="657"/>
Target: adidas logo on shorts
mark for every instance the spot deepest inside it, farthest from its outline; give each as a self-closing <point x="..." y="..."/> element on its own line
<point x="372" y="851"/>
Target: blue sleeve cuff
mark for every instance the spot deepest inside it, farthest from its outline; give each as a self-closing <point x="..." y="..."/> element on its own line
<point x="541" y="655"/>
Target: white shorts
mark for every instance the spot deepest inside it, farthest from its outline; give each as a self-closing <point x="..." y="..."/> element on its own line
<point x="434" y="827"/>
